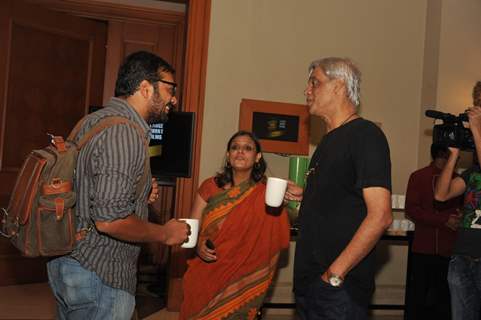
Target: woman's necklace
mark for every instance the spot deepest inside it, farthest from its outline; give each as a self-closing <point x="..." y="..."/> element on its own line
<point x="350" y="116"/>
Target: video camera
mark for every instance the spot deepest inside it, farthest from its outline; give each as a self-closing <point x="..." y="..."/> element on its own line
<point x="452" y="131"/>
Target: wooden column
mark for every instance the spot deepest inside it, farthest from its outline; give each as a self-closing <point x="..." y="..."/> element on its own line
<point x="198" y="21"/>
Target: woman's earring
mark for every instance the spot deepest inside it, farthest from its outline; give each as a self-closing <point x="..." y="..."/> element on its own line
<point x="257" y="165"/>
<point x="227" y="164"/>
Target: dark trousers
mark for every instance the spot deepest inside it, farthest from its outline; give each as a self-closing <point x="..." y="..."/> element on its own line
<point x="323" y="301"/>
<point x="429" y="296"/>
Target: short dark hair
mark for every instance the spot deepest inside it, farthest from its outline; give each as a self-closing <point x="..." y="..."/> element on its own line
<point x="477" y="94"/>
<point x="258" y="172"/>
<point x="137" y="67"/>
<point x="439" y="150"/>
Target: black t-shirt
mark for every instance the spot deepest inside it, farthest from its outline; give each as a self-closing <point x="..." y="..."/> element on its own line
<point x="469" y="233"/>
<point x="349" y="158"/>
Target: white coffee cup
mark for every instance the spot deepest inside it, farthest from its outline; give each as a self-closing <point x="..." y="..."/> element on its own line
<point x="394" y="201"/>
<point x="401" y="201"/>
<point x="405" y="225"/>
<point x="412" y="226"/>
<point x="194" y="231"/>
<point x="276" y="188"/>
<point x="396" y="225"/>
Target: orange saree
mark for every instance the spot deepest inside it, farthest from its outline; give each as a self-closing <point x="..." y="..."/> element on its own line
<point x="248" y="241"/>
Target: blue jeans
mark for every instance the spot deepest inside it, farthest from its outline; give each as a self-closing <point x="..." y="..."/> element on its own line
<point x="464" y="278"/>
<point x="323" y="301"/>
<point x="81" y="295"/>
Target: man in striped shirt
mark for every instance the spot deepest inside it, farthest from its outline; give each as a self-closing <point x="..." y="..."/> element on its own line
<point x="98" y="279"/>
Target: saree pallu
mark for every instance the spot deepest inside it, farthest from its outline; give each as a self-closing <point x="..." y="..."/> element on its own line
<point x="248" y="241"/>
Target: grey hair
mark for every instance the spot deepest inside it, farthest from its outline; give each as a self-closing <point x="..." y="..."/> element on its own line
<point x="345" y="70"/>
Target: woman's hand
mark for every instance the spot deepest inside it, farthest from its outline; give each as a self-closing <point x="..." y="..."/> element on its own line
<point x="293" y="192"/>
<point x="206" y="254"/>
<point x="154" y="193"/>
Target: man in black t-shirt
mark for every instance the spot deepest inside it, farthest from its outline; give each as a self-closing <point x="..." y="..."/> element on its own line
<point x="464" y="275"/>
<point x="346" y="205"/>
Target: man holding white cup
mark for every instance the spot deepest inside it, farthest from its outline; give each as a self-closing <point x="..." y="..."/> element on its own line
<point x="346" y="205"/>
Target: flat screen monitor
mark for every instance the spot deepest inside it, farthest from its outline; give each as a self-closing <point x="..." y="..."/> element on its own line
<point x="171" y="146"/>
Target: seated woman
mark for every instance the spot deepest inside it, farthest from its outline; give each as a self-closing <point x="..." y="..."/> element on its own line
<point x="230" y="279"/>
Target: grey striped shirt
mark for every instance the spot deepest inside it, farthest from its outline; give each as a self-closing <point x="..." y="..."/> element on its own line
<point x="108" y="170"/>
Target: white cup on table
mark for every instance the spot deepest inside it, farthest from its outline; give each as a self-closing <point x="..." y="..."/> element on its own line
<point x="396" y="225"/>
<point x="401" y="201"/>
<point x="405" y="224"/>
<point x="394" y="201"/>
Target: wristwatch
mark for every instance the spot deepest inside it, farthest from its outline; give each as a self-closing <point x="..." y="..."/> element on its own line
<point x="335" y="280"/>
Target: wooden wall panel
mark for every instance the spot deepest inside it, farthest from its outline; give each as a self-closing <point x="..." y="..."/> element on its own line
<point x="166" y="39"/>
<point x="198" y="22"/>
<point x="51" y="70"/>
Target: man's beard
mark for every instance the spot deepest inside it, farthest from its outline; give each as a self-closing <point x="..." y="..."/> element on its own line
<point x="157" y="111"/>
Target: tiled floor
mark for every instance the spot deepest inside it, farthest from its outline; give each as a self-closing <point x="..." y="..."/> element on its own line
<point x="35" y="301"/>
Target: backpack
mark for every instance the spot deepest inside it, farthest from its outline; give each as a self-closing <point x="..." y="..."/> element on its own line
<point x="40" y="217"/>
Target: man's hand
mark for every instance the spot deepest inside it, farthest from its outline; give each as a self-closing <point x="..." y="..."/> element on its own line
<point x="154" y="193"/>
<point x="325" y="277"/>
<point x="293" y="192"/>
<point x="175" y="232"/>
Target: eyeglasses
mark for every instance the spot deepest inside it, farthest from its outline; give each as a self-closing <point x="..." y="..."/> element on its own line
<point x="173" y="86"/>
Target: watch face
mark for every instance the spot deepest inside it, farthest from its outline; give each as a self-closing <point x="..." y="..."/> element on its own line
<point x="335" y="281"/>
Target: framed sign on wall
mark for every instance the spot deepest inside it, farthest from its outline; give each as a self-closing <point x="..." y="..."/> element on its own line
<point x="280" y="127"/>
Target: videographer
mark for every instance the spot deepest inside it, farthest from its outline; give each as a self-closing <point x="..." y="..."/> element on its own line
<point x="464" y="275"/>
<point x="434" y="237"/>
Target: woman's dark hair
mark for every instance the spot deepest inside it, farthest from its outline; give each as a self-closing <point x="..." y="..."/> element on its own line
<point x="226" y="175"/>
<point x="137" y="67"/>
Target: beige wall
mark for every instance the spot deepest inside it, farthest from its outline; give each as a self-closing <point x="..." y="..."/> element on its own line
<point x="459" y="55"/>
<point x="261" y="50"/>
<point x="452" y="62"/>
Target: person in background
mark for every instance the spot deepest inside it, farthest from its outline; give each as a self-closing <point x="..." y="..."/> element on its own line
<point x="464" y="274"/>
<point x="239" y="242"/>
<point x="97" y="281"/>
<point x="436" y="226"/>
<point x="346" y="204"/>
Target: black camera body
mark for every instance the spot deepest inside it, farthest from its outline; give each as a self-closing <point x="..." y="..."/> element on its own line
<point x="452" y="132"/>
